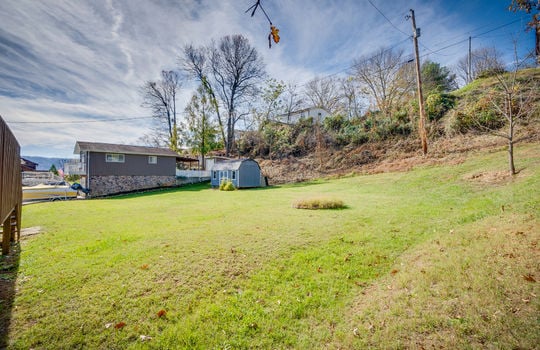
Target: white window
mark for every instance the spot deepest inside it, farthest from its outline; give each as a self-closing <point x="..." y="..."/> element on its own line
<point x="152" y="159"/>
<point x="114" y="158"/>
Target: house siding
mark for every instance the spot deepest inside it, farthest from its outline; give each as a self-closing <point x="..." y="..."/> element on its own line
<point x="133" y="165"/>
<point x="249" y="175"/>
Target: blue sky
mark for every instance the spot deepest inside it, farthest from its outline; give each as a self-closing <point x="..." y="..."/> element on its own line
<point x="78" y="65"/>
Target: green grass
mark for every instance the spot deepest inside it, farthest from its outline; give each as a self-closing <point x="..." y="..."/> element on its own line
<point x="244" y="269"/>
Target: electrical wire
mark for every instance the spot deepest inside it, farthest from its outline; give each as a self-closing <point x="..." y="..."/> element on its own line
<point x="386" y="18"/>
<point x="79" y="121"/>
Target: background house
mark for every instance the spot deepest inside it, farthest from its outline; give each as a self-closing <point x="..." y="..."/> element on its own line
<point x="318" y="115"/>
<point x="243" y="173"/>
<point x="28" y="165"/>
<point x="110" y="168"/>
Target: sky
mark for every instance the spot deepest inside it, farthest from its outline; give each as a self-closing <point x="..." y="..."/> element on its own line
<point x="72" y="70"/>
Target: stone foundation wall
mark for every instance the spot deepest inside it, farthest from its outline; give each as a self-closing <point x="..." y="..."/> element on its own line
<point x="105" y="185"/>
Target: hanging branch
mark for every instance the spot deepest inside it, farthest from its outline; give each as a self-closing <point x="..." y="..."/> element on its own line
<point x="274" y="32"/>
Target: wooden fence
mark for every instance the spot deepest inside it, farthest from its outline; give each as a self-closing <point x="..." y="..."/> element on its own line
<point x="10" y="187"/>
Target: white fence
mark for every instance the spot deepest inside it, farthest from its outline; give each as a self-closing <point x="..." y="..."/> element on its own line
<point x="193" y="173"/>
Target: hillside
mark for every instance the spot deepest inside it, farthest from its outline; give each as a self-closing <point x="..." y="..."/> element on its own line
<point x="450" y="140"/>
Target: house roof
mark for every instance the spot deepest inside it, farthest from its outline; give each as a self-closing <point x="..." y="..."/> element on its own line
<point x="232" y="164"/>
<point x="27" y="162"/>
<point x="83" y="146"/>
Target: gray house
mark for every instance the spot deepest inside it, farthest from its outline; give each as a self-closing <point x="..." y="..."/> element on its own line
<point x="243" y="173"/>
<point x="109" y="168"/>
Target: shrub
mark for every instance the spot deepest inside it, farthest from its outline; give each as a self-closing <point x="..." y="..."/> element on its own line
<point x="226" y="185"/>
<point x="335" y="123"/>
<point x="438" y="104"/>
<point x="479" y="116"/>
<point x="319" y="203"/>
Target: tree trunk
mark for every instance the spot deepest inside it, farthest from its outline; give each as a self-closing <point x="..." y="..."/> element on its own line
<point x="511" y="157"/>
<point x="228" y="145"/>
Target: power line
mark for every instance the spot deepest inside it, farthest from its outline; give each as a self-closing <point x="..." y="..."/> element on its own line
<point x="386" y="18"/>
<point x="424" y="46"/>
<point x="79" y="121"/>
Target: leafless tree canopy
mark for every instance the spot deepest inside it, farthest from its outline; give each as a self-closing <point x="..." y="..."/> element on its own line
<point x="230" y="69"/>
<point x="352" y="103"/>
<point x="324" y="93"/>
<point x="160" y="97"/>
<point x="484" y="61"/>
<point x="382" y="78"/>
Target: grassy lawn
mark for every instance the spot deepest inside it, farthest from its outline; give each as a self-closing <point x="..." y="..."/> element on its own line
<point x="439" y="256"/>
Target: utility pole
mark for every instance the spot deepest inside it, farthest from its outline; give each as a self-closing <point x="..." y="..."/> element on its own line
<point x="469" y="63"/>
<point x="422" y="120"/>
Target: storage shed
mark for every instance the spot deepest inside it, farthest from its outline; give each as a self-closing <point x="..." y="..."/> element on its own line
<point x="243" y="173"/>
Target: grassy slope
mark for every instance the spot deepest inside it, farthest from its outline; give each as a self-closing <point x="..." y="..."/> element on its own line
<point x="245" y="269"/>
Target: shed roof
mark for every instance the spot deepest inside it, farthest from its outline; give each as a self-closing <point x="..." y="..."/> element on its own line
<point x="233" y="164"/>
<point x="82" y="146"/>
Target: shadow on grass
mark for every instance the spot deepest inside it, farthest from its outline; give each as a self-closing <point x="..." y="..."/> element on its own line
<point x="9" y="267"/>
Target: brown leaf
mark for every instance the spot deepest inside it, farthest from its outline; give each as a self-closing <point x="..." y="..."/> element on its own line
<point x="144" y="267"/>
<point x="120" y="325"/>
<point x="319" y="269"/>
<point x="394" y="271"/>
<point x="162" y="313"/>
<point x="529" y="278"/>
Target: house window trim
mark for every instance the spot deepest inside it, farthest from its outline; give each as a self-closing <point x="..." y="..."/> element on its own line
<point x="152" y="159"/>
<point x="115" y="158"/>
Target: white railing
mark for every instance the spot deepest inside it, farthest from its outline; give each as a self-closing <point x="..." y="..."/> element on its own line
<point x="74" y="168"/>
<point x="193" y="173"/>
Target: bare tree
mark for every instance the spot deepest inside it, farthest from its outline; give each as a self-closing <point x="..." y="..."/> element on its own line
<point x="352" y="104"/>
<point x="323" y="93"/>
<point x="291" y="99"/>
<point x="230" y="69"/>
<point x="514" y="99"/>
<point x="160" y="97"/>
<point x="382" y="79"/>
<point x="485" y="61"/>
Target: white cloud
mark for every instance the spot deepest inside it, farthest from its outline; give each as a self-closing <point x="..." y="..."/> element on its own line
<point x="63" y="60"/>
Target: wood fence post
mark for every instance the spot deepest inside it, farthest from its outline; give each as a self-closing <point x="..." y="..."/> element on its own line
<point x="6" y="236"/>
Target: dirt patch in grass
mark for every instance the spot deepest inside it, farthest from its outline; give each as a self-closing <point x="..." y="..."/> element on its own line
<point x="30" y="231"/>
<point x="472" y="288"/>
<point x="489" y="177"/>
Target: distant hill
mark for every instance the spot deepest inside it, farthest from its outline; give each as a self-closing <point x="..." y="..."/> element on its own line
<point x="44" y="163"/>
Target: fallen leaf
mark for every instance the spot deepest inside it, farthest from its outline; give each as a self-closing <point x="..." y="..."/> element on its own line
<point x="319" y="269"/>
<point x="529" y="278"/>
<point x="108" y="325"/>
<point x="145" y="337"/>
<point x="162" y="313"/>
<point x="120" y="325"/>
<point x="394" y="271"/>
<point x="355" y="332"/>
<point x="144" y="267"/>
